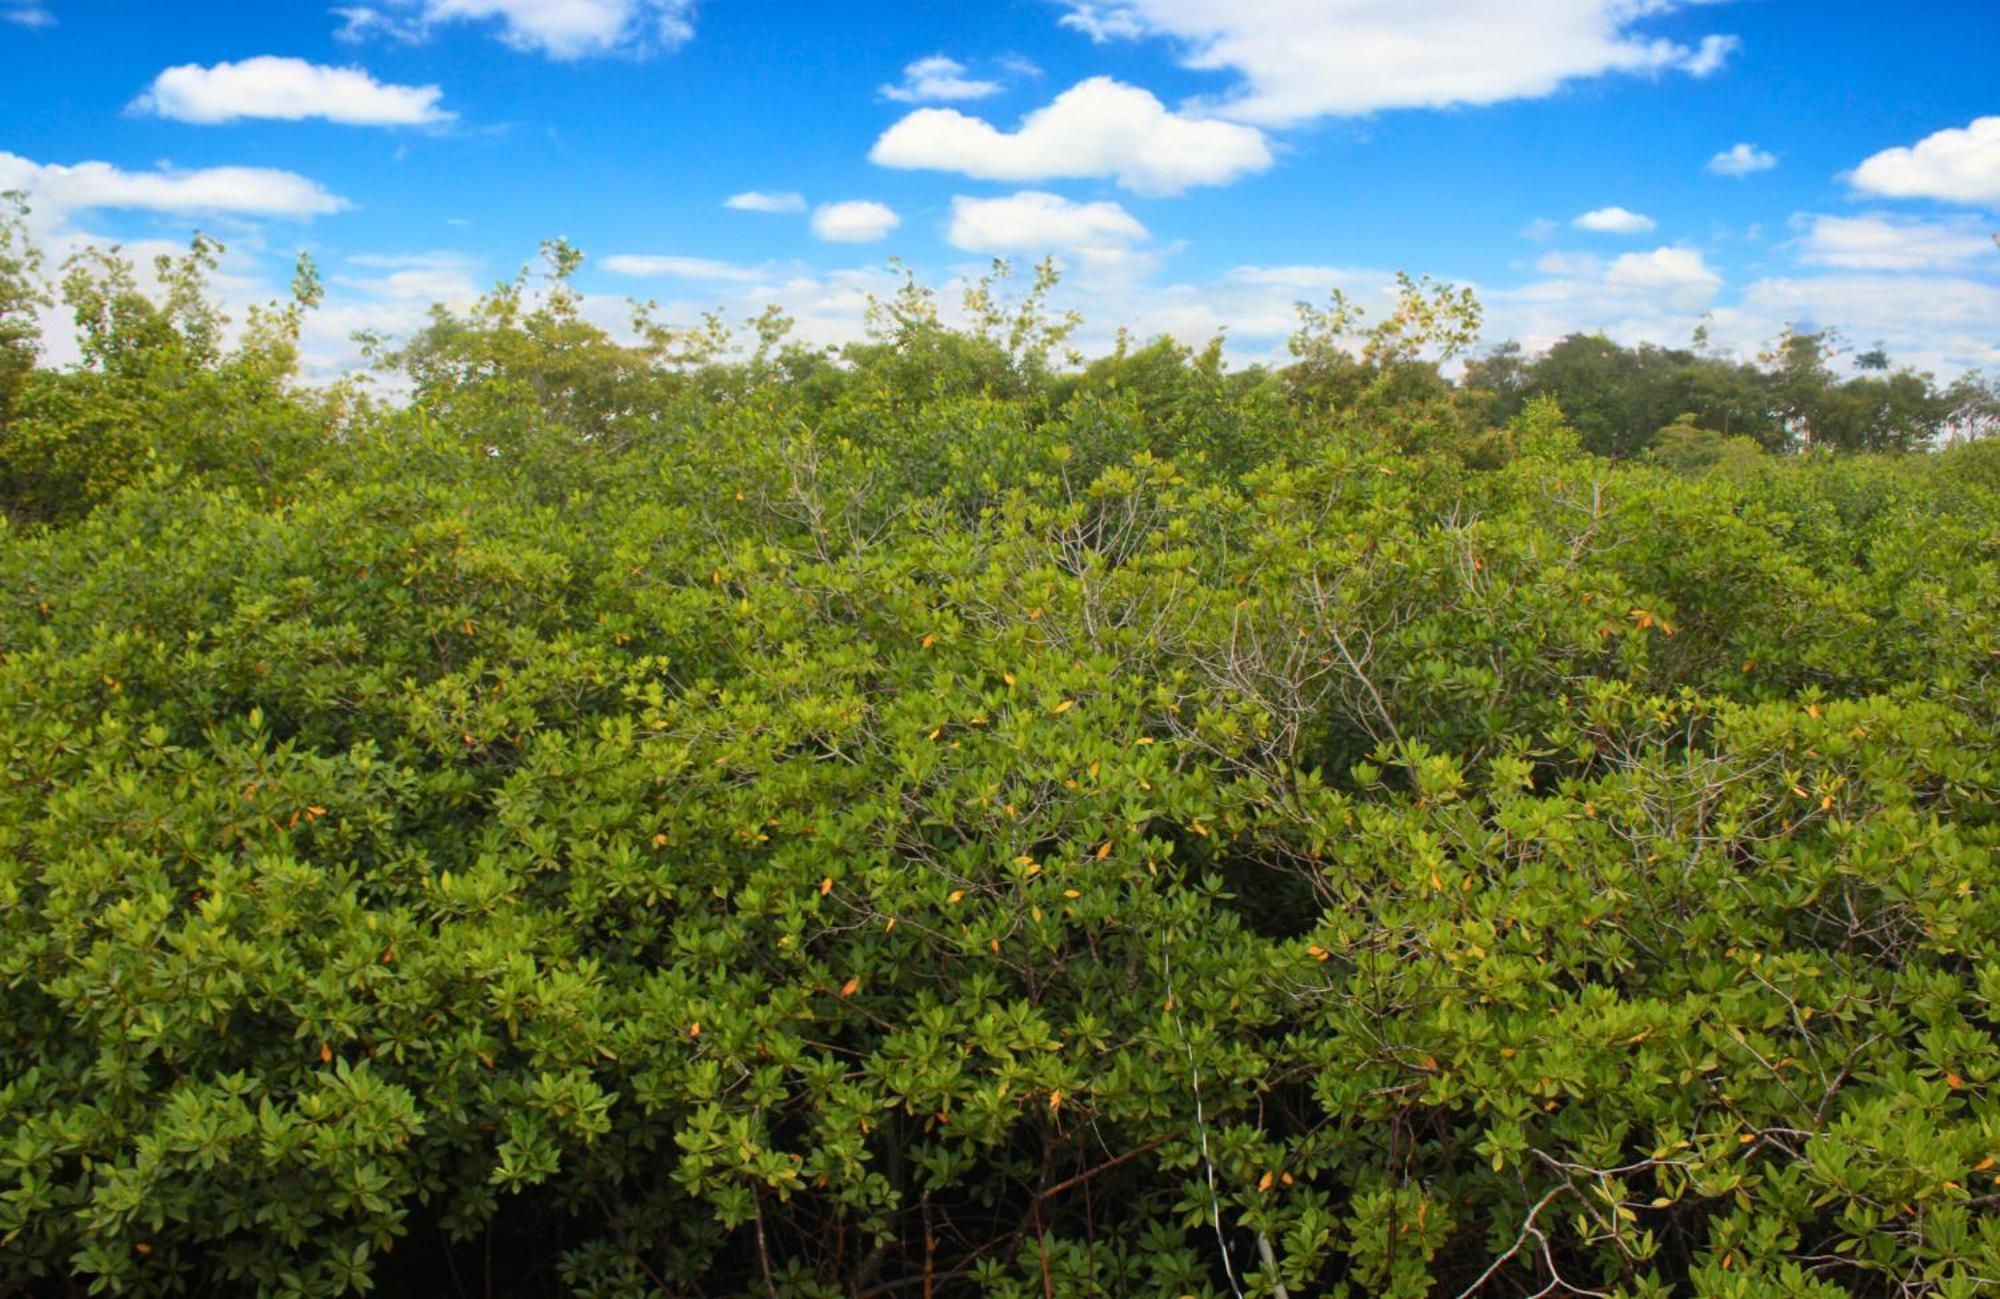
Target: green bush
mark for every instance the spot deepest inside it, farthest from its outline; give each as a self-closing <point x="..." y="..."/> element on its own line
<point x="787" y="828"/>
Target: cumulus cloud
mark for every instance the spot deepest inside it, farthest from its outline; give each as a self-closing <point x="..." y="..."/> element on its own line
<point x="1880" y="241"/>
<point x="683" y="268"/>
<point x="1678" y="273"/>
<point x="561" y="29"/>
<point x="26" y="13"/>
<point x="1958" y="165"/>
<point x="289" y="90"/>
<point x="1615" y="221"/>
<point x="937" y="79"/>
<point x="1741" y="159"/>
<point x="752" y="200"/>
<point x="1303" y="59"/>
<point x="245" y="191"/>
<point x="1102" y="236"/>
<point x="1097" y="128"/>
<point x="854" y="221"/>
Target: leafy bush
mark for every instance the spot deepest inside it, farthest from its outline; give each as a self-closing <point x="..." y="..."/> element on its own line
<point x="637" y="827"/>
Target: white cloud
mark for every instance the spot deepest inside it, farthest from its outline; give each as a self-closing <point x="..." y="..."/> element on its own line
<point x="1541" y="230"/>
<point x="1103" y="23"/>
<point x="752" y="200"/>
<point x="683" y="268"/>
<point x="855" y="221"/>
<point x="1099" y="127"/>
<point x="561" y="29"/>
<point x="1711" y="56"/>
<point x="1102" y="235"/>
<point x="1959" y="165"/>
<point x="1560" y="263"/>
<point x="415" y="278"/>
<point x="27" y="13"/>
<point x="1677" y="273"/>
<point x="1879" y="241"/>
<point x="936" y="79"/>
<point x="1615" y="221"/>
<point x="1302" y="59"/>
<point x="245" y="191"/>
<point x="1741" y="160"/>
<point x="1936" y="322"/>
<point x="287" y="90"/>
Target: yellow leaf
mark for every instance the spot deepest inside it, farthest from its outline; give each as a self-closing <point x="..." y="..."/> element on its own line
<point x="1104" y="850"/>
<point x="1024" y="860"/>
<point x="1008" y="677"/>
<point x="826" y="886"/>
<point x="957" y="895"/>
<point x="1071" y="893"/>
<point x="891" y="925"/>
<point x="995" y="945"/>
<point x="1055" y="1099"/>
<point x="1144" y="739"/>
<point x="1063" y="707"/>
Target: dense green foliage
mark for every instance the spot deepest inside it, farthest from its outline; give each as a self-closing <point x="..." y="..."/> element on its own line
<point x="933" y="820"/>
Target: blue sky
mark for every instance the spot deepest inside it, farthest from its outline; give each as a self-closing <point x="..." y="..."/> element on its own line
<point x="1195" y="164"/>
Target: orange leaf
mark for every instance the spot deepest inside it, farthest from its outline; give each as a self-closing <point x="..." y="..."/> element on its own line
<point x="1104" y="850"/>
<point x="851" y="987"/>
<point x="1264" y="1182"/>
<point x="1055" y="1099"/>
<point x="694" y="1030"/>
<point x="826" y="886"/>
<point x="325" y="1053"/>
<point x="956" y="895"/>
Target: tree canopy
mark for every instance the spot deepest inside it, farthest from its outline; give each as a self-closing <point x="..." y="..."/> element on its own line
<point x="689" y="817"/>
